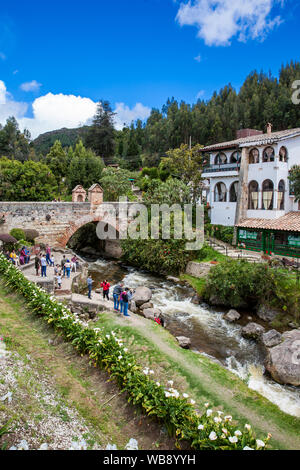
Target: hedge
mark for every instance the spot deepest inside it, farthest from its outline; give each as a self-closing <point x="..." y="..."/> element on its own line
<point x="209" y="430"/>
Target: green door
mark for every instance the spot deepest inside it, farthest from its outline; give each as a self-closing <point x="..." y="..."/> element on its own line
<point x="268" y="243"/>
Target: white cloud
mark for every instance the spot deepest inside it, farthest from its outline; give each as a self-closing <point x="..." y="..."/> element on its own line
<point x="51" y="112"/>
<point x="9" y="107"/>
<point x="2" y="56"/>
<point x="200" y="94"/>
<point x="125" y="115"/>
<point x="31" y="86"/>
<point x="218" y="21"/>
<point x="198" y="58"/>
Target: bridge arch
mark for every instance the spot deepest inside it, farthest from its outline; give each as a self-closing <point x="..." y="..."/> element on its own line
<point x="73" y="227"/>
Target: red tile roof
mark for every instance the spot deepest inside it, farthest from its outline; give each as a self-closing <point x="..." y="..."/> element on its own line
<point x="289" y="222"/>
<point x="259" y="139"/>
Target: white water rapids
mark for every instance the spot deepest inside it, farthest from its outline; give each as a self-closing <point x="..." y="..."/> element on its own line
<point x="210" y="334"/>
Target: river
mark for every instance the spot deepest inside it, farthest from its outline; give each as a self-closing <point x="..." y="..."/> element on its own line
<point x="209" y="333"/>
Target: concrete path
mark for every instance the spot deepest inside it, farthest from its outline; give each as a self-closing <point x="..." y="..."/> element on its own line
<point x="96" y="301"/>
<point x="29" y="272"/>
<point x="232" y="252"/>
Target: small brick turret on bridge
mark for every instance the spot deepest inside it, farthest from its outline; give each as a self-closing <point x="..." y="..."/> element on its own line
<point x="55" y="222"/>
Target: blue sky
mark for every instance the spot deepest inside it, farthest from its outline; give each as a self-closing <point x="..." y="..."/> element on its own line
<point x="134" y="53"/>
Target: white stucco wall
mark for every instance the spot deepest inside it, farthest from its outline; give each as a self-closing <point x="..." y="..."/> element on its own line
<point x="224" y="213"/>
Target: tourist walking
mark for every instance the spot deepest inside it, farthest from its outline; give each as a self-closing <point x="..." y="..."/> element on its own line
<point x="67" y="267"/>
<point x="159" y="319"/>
<point x="37" y="264"/>
<point x="52" y="260"/>
<point x="75" y="263"/>
<point x="124" y="302"/>
<point x="44" y="266"/>
<point x="58" y="278"/>
<point x="48" y="255"/>
<point x="27" y="255"/>
<point x="90" y="285"/>
<point x="62" y="263"/>
<point x="116" y="295"/>
<point x="105" y="286"/>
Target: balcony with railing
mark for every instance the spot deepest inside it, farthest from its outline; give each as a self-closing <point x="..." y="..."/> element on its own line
<point x="215" y="170"/>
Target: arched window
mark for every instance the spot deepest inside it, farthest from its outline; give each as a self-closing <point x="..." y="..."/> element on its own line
<point x="269" y="155"/>
<point x="253" y="195"/>
<point x="281" y="191"/>
<point x="79" y="198"/>
<point x="220" y="192"/>
<point x="254" y="156"/>
<point x="235" y="157"/>
<point x="220" y="159"/>
<point x="283" y="154"/>
<point x="268" y="195"/>
<point x="233" y="192"/>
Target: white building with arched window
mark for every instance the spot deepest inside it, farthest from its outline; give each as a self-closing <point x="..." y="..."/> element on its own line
<point x="248" y="177"/>
<point x="249" y="188"/>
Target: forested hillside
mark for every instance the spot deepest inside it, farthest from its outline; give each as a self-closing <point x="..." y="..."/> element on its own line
<point x="261" y="99"/>
<point x="68" y="137"/>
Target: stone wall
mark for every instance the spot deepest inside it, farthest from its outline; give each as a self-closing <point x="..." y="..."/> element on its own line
<point x="198" y="269"/>
<point x="56" y="222"/>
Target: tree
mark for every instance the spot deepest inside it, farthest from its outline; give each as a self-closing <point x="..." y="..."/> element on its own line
<point x="116" y="183"/>
<point x="14" y="143"/>
<point x="170" y="192"/>
<point x="57" y="161"/>
<point x="186" y="164"/>
<point x="101" y="136"/>
<point x="28" y="181"/>
<point x="294" y="178"/>
<point x="85" y="167"/>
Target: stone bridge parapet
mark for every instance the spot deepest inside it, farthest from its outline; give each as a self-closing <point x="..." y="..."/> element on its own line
<point x="55" y="222"/>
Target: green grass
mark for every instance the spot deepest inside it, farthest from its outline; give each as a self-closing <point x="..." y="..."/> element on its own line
<point x="197" y="283"/>
<point x="208" y="254"/>
<point x="167" y="367"/>
<point x="78" y="385"/>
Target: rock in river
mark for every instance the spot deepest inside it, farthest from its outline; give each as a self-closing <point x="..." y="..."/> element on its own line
<point x="252" y="331"/>
<point x="283" y="361"/>
<point x="147" y="305"/>
<point x="151" y="313"/>
<point x="267" y="313"/>
<point x="271" y="338"/>
<point x="142" y="295"/>
<point x="184" y="342"/>
<point x="232" y="316"/>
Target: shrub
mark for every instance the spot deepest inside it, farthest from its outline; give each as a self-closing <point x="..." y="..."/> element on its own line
<point x="7" y="238"/>
<point x="225" y="234"/>
<point x="160" y="256"/>
<point x="18" y="233"/>
<point x="31" y="234"/>
<point x="205" y="431"/>
<point x="243" y="284"/>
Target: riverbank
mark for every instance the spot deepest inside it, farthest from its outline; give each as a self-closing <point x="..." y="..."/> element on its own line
<point x="57" y="396"/>
<point x="205" y="380"/>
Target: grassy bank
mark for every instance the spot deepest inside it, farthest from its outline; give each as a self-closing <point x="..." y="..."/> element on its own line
<point x="77" y="388"/>
<point x="204" y="380"/>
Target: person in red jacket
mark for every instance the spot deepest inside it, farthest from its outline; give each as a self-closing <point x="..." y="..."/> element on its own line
<point x="105" y="286"/>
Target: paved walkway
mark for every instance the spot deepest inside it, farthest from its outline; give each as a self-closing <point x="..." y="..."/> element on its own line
<point x="29" y="272"/>
<point x="96" y="300"/>
<point x="232" y="252"/>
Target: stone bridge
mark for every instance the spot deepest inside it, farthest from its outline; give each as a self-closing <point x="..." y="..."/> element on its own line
<point x="56" y="222"/>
